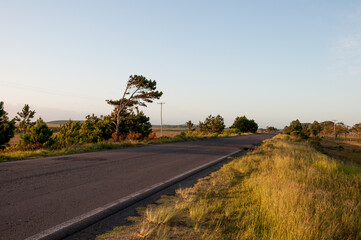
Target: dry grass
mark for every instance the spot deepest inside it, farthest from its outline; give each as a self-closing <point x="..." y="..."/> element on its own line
<point x="169" y="132"/>
<point x="15" y="140"/>
<point x="348" y="151"/>
<point x="283" y="190"/>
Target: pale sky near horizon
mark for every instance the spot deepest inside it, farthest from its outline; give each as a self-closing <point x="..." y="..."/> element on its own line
<point x="273" y="61"/>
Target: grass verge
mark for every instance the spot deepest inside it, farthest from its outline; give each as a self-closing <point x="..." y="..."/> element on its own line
<point x="282" y="190"/>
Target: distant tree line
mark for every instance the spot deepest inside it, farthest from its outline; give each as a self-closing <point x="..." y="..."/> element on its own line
<point x="215" y="125"/>
<point x="300" y="130"/>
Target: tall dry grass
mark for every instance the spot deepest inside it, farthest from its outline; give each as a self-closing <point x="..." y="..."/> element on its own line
<point x="283" y="190"/>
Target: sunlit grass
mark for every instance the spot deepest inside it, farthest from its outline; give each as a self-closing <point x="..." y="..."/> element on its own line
<point x="283" y="190"/>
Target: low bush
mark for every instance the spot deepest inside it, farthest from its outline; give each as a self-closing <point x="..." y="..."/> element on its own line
<point x="37" y="136"/>
<point x="243" y="124"/>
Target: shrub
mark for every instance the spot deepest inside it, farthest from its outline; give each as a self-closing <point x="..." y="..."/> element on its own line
<point x="134" y="136"/>
<point x="297" y="130"/>
<point x="136" y="123"/>
<point x="152" y="136"/>
<point x="95" y="129"/>
<point x="212" y="124"/>
<point x="245" y="125"/>
<point x="68" y="134"/>
<point x="7" y="127"/>
<point x="271" y="129"/>
<point x="37" y="136"/>
<point x="231" y="131"/>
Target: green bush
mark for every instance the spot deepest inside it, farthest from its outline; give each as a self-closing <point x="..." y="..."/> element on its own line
<point x="68" y="134"/>
<point x="7" y="127"/>
<point x="212" y="124"/>
<point x="95" y="129"/>
<point x="297" y="130"/>
<point x="135" y="123"/>
<point x="231" y="131"/>
<point x="37" y="136"/>
<point x="245" y="125"/>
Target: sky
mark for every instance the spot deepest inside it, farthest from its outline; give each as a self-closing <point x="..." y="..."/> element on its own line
<point x="272" y="61"/>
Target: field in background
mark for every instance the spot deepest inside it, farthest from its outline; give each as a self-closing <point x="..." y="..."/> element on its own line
<point x="344" y="150"/>
<point x="169" y="132"/>
<point x="282" y="190"/>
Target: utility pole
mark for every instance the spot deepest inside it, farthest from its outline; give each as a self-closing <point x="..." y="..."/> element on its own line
<point x="161" y="118"/>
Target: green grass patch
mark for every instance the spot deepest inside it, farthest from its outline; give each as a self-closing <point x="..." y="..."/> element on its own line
<point x="282" y="190"/>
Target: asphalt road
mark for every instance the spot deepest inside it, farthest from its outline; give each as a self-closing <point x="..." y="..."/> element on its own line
<point x="38" y="194"/>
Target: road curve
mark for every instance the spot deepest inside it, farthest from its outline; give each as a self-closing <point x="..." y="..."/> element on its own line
<point x="38" y="194"/>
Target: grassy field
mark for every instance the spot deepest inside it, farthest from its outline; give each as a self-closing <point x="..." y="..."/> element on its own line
<point x="282" y="190"/>
<point x="169" y="132"/>
<point x="344" y="150"/>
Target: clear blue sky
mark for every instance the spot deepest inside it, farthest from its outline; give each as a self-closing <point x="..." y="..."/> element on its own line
<point x="273" y="61"/>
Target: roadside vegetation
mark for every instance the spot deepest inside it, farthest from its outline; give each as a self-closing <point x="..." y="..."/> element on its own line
<point x="126" y="126"/>
<point x="285" y="189"/>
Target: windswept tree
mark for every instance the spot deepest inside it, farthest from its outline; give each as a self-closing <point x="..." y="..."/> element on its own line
<point x="7" y="127"/>
<point x="24" y="118"/>
<point x="138" y="92"/>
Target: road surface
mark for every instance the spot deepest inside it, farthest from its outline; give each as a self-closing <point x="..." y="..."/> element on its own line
<point x="38" y="194"/>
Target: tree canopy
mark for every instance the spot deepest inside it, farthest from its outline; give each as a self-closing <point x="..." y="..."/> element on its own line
<point x="138" y="92"/>
<point x="243" y="124"/>
<point x="24" y="118"/>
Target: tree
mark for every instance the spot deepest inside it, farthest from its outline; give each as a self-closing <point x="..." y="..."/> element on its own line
<point x="37" y="136"/>
<point x="245" y="125"/>
<point x="297" y="130"/>
<point x="327" y="128"/>
<point x="315" y="128"/>
<point x="356" y="129"/>
<point x="7" y="127"/>
<point x="270" y="129"/>
<point x="341" y="128"/>
<point x="136" y="124"/>
<point x="24" y="118"/>
<point x="212" y="124"/>
<point x="138" y="92"/>
<point x="190" y="126"/>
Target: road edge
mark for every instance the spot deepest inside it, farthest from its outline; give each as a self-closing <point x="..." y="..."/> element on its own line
<point x="76" y="224"/>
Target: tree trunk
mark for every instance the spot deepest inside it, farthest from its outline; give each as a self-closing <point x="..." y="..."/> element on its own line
<point x="117" y="129"/>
